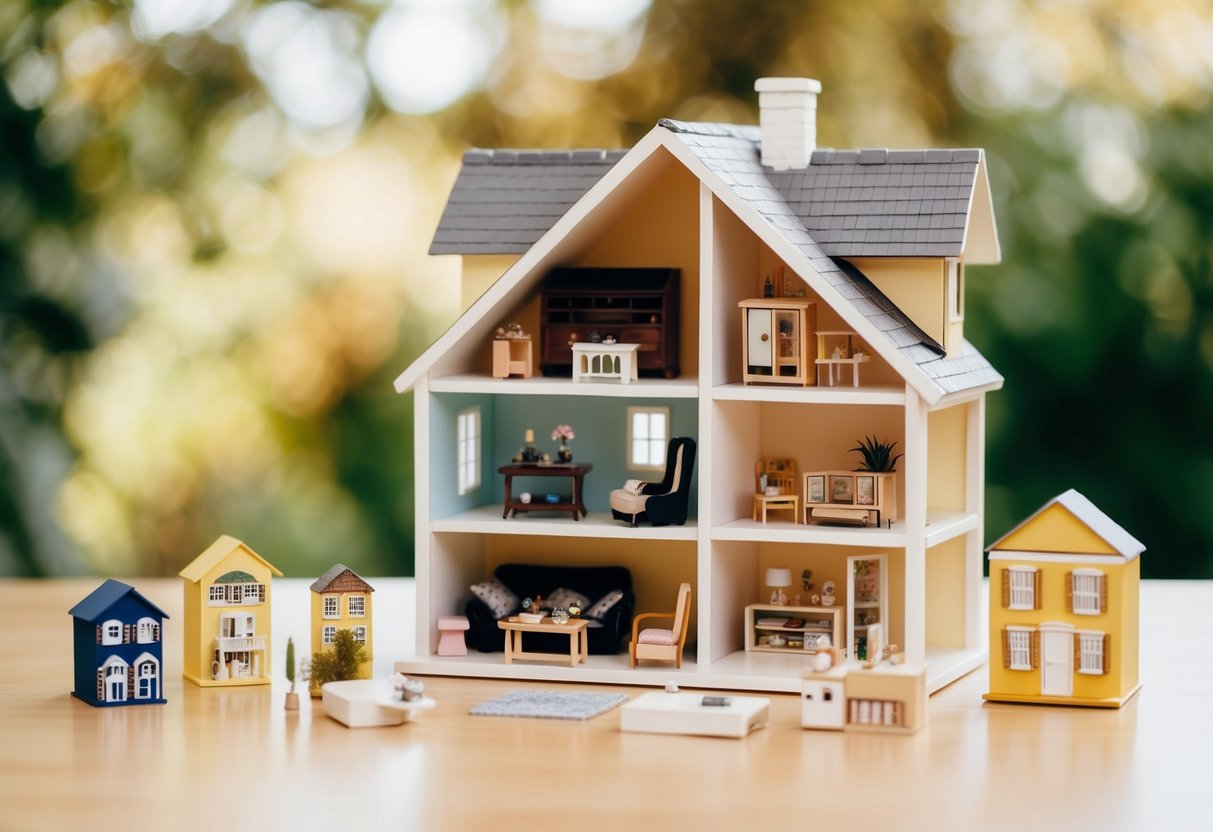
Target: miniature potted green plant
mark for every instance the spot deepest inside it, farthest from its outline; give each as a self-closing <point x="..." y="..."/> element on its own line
<point x="292" y="698"/>
<point x="336" y="665"/>
<point x="876" y="456"/>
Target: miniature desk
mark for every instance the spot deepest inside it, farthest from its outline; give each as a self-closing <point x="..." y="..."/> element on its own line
<point x="574" y="470"/>
<point x="592" y="360"/>
<point x="574" y="629"/>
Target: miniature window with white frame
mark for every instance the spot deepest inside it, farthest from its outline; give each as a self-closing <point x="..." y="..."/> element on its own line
<point x="328" y="634"/>
<point x="360" y="635"/>
<point x="1023" y="587"/>
<point x="1090" y="653"/>
<point x="332" y="606"/>
<point x="147" y="631"/>
<point x="357" y="606"/>
<point x="1085" y="591"/>
<point x="956" y="290"/>
<point x="111" y="632"/>
<point x="648" y="436"/>
<point x="467" y="450"/>
<point x="1019" y="642"/>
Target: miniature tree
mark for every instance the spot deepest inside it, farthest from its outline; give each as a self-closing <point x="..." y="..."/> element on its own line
<point x="336" y="664"/>
<point x="292" y="698"/>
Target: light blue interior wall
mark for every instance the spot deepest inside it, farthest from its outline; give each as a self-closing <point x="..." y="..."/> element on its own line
<point x="602" y="431"/>
<point x="599" y="422"/>
<point x="445" y="408"/>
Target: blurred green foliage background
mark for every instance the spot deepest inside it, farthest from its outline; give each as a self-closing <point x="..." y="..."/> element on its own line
<point x="214" y="216"/>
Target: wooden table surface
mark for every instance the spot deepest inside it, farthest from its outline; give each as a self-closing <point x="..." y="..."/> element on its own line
<point x="234" y="759"/>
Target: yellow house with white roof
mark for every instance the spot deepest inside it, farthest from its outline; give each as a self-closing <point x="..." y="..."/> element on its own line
<point x="1064" y="608"/>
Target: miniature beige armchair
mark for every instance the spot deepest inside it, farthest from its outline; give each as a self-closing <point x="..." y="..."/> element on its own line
<point x="661" y="644"/>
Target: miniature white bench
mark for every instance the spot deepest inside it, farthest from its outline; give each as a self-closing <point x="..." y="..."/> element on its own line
<point x="605" y="361"/>
<point x="661" y="712"/>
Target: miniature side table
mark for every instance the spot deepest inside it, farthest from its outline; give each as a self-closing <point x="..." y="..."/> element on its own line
<point x="605" y="361"/>
<point x="776" y="502"/>
<point x="847" y="355"/>
<point x="450" y="642"/>
<point x="574" y="629"/>
<point x="574" y="470"/>
<point x="512" y="357"/>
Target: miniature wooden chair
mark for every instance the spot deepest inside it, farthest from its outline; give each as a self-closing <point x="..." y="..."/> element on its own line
<point x="660" y="644"/>
<point x="781" y="479"/>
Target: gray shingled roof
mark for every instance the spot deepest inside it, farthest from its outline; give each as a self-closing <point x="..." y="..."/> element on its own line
<point x="505" y="200"/>
<point x="731" y="152"/>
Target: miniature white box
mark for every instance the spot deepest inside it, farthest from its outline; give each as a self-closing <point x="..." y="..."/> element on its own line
<point x="661" y="712"/>
<point x="364" y="703"/>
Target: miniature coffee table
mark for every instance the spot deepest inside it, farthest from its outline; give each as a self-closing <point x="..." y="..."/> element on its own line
<point x="576" y="471"/>
<point x="574" y="629"/>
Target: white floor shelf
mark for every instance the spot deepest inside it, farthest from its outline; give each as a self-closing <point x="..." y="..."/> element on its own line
<point x="941" y="526"/>
<point x="488" y="520"/>
<point x="683" y="387"/>
<point x="772" y="673"/>
<point x="845" y="394"/>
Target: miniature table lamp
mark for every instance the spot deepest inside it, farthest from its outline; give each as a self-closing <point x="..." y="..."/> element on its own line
<point x="777" y="579"/>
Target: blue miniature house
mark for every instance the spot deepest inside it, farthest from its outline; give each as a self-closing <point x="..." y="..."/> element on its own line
<point x="119" y="647"/>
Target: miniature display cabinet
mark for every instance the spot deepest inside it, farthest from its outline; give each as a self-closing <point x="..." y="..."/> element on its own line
<point x="512" y="357"/>
<point x="850" y="497"/>
<point x="589" y="305"/>
<point x="770" y="628"/>
<point x="776" y="487"/>
<point x="602" y="360"/>
<point x="837" y="349"/>
<point x="775" y="338"/>
<point x="867" y="600"/>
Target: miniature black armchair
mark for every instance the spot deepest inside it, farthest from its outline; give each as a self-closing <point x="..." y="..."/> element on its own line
<point x="665" y="502"/>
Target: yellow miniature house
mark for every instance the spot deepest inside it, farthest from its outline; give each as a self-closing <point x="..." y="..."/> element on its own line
<point x="341" y="600"/>
<point x="1064" y="608"/>
<point x="227" y="616"/>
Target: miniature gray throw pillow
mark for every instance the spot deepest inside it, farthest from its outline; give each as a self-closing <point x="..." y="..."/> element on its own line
<point x="498" y="597"/>
<point x="563" y="598"/>
<point x="603" y="605"/>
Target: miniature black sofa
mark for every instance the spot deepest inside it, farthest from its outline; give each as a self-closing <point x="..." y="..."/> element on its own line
<point x="529" y="580"/>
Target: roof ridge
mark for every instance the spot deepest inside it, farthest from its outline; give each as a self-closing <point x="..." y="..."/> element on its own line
<point x="541" y="156"/>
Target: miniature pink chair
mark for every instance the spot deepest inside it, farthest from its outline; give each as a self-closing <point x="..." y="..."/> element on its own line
<point x="660" y="644"/>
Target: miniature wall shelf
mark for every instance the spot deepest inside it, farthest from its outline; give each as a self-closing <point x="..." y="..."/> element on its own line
<point x="836" y="349"/>
<point x="775" y="340"/>
<point x="850" y="497"/>
<point x="793" y="626"/>
<point x="512" y="357"/>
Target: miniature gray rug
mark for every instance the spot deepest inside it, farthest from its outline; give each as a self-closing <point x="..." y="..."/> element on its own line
<point x="549" y="704"/>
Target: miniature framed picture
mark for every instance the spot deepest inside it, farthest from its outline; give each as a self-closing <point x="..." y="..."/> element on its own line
<point x="793" y="286"/>
<point x="815" y="489"/>
<point x="842" y="489"/>
<point x="865" y="491"/>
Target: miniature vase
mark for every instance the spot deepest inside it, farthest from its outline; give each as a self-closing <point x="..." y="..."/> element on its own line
<point x="563" y="453"/>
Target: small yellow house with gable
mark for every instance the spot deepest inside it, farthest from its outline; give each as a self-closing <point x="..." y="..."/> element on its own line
<point x="227" y="616"/>
<point x="1064" y="608"/>
<point x="341" y="600"/>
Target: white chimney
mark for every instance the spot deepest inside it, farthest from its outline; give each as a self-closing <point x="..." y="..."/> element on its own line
<point x="787" y="109"/>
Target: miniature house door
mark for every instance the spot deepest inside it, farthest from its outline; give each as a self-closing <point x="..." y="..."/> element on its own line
<point x="115" y="682"/>
<point x="867" y="600"/>
<point x="147" y="680"/>
<point x="1056" y="660"/>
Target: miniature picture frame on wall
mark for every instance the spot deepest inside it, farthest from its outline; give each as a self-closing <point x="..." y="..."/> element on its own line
<point x="793" y="287"/>
<point x="865" y="491"/>
<point x="842" y="489"/>
<point x="815" y="489"/>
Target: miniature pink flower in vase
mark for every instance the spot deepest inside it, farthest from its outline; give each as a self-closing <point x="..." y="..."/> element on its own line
<point x="562" y="434"/>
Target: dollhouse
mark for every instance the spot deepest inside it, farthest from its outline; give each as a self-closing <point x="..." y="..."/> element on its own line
<point x="341" y="600"/>
<point x="1064" y="608"/>
<point x="781" y="264"/>
<point x="227" y="616"/>
<point x="119" y="649"/>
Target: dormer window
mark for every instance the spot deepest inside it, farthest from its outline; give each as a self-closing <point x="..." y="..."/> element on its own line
<point x="956" y="290"/>
<point x="235" y="588"/>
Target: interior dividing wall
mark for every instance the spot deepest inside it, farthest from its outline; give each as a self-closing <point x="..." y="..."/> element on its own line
<point x="946" y="458"/>
<point x="945" y="602"/>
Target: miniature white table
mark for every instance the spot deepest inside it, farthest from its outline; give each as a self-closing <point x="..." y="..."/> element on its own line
<point x="363" y="703"/>
<point x="661" y="712"/>
<point x="605" y="361"/>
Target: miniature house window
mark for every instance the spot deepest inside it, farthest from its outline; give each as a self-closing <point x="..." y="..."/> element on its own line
<point x="956" y="290"/>
<point x="1087" y="592"/>
<point x="1090" y="654"/>
<point x="357" y="606"/>
<point x="467" y="451"/>
<point x="648" y="435"/>
<point x="332" y="606"/>
<point x="1021" y="588"/>
<point x="360" y="635"/>
<point x="111" y="632"/>
<point x="328" y="634"/>
<point x="1019" y="648"/>
<point x="236" y="587"/>
<point x="217" y="594"/>
<point x="148" y="631"/>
